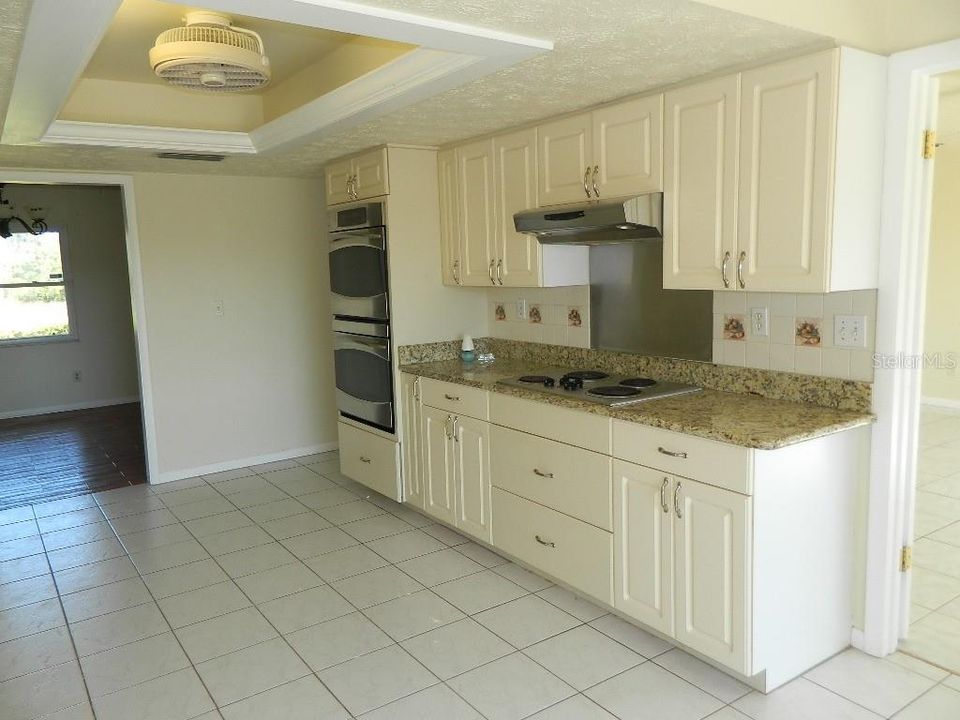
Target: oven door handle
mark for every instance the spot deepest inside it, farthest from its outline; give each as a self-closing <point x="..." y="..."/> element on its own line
<point x="356" y="238"/>
<point x="354" y="342"/>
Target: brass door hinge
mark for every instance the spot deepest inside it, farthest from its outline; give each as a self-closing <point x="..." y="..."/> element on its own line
<point x="906" y="558"/>
<point x="929" y="144"/>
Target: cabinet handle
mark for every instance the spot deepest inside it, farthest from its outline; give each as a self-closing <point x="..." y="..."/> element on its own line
<point x="456" y="421"/>
<point x="537" y="471"/>
<point x="740" y="261"/>
<point x="663" y="495"/>
<point x="500" y="271"/>
<point x="446" y="427"/>
<point x="723" y="269"/>
<point x="596" y="169"/>
<point x="676" y="500"/>
<point x="490" y="272"/>
<point x="456" y="271"/>
<point x="416" y="390"/>
<point x="364" y="459"/>
<point x="585" y="176"/>
<point x="544" y="542"/>
<point x="671" y="453"/>
<point x="454" y="398"/>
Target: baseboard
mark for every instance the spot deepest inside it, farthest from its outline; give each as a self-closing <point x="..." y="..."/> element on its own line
<point x="88" y="405"/>
<point x="856" y="638"/>
<point x="173" y="475"/>
<point x="940" y="402"/>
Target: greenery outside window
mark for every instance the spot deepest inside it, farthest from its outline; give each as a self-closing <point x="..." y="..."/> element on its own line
<point x="35" y="302"/>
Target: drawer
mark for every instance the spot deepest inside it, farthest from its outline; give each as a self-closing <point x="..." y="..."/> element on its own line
<point x="369" y="459"/>
<point x="710" y="462"/>
<point x="565" y="478"/>
<point x="572" y="551"/>
<point x="460" y="399"/>
<point x="570" y="427"/>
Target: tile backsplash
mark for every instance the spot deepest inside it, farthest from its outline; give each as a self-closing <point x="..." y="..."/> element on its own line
<point x="553" y="316"/>
<point x="800" y="332"/>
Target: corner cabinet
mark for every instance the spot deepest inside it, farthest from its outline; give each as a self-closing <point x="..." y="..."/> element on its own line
<point x="360" y="177"/>
<point x="808" y="137"/>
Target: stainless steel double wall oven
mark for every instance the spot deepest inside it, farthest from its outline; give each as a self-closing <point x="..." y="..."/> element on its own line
<point x="359" y="282"/>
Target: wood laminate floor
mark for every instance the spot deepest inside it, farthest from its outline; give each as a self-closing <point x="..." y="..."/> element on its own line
<point x="51" y="457"/>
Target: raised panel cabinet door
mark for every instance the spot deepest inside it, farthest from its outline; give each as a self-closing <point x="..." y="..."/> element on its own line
<point x="337" y="181"/>
<point x="477" y="213"/>
<point x="627" y="148"/>
<point x="437" y="470"/>
<point x="787" y="137"/>
<point x="449" y="218"/>
<point x="472" y="452"/>
<point x="701" y="133"/>
<point x="410" y="439"/>
<point x="643" y="545"/>
<point x="515" y="162"/>
<point x="564" y="159"/>
<point x="711" y="572"/>
<point x="371" y="172"/>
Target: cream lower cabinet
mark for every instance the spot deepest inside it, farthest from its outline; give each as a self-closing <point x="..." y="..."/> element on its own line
<point x="438" y="467"/>
<point x="411" y="456"/>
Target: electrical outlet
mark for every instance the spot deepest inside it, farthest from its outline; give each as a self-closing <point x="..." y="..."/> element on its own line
<point x="521" y="309"/>
<point x="759" y="322"/>
<point x="850" y="331"/>
<point x="77" y="376"/>
<point x="218" y="308"/>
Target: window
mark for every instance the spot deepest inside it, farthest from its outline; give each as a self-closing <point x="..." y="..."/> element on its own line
<point x="34" y="301"/>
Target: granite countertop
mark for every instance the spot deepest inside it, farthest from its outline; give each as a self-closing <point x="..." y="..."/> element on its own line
<point x="739" y="419"/>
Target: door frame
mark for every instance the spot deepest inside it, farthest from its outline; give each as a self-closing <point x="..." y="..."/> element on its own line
<point x="904" y="239"/>
<point x="135" y="274"/>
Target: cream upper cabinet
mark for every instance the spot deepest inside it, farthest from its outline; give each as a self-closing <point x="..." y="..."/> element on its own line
<point x="627" y="148"/>
<point x="472" y="458"/>
<point x="643" y="545"/>
<point x="476" y="201"/>
<point x="701" y="133"/>
<point x="565" y="152"/>
<point x="449" y="221"/>
<point x="437" y="468"/>
<point x="357" y="178"/>
<point x="410" y="440"/>
<point x="711" y="571"/>
<point x="515" y="164"/>
<point x="338" y="178"/>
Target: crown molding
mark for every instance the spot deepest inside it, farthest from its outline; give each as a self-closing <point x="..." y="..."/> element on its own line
<point x="71" y="132"/>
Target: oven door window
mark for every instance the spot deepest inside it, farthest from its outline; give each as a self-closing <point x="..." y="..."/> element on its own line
<point x="358" y="267"/>
<point x="363" y="369"/>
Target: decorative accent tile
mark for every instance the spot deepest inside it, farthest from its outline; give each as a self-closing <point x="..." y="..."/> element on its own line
<point x="808" y="331"/>
<point x="500" y="313"/>
<point x="734" y="327"/>
<point x="535" y="316"/>
<point x="574" y="318"/>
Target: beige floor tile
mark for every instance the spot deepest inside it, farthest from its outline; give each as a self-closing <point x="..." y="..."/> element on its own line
<point x="144" y="521"/>
<point x="102" y="572"/>
<point x="257" y="496"/>
<point x="349" y="512"/>
<point x="298" y="481"/>
<point x="932" y="589"/>
<point x="30" y="619"/>
<point x="202" y="604"/>
<point x="155" y="537"/>
<point x="456" y="648"/>
<point x="936" y="639"/>
<point x="648" y="692"/>
<point x="35" y="652"/>
<point x="184" y="578"/>
<point x="376" y="586"/>
<point x="221" y="477"/>
<point x="526" y="621"/>
<point x="42" y="693"/>
<point x="22" y="529"/>
<point x="105" y="599"/>
<point x="374" y="528"/>
<point x="56" y="507"/>
<point x="344" y="563"/>
<point x="225" y="634"/>
<point x="578" y="707"/>
<point x="640" y="641"/>
<point x="480" y="591"/>
<point x="529" y="581"/>
<point x="27" y="592"/>
<point x="165" y="557"/>
<point x="84" y="516"/>
<point x="406" y="545"/>
<point x="303" y="699"/>
<point x="132" y="664"/>
<point x="77" y="535"/>
<point x="177" y="696"/>
<point x="275" y="510"/>
<point x="327" y="498"/>
<point x="302" y="609"/>
<point x="234" y="540"/>
<point x="569" y="602"/>
<point x="106" y="632"/>
<point x="799" y="700"/>
<point x="190" y="496"/>
<point x="274" y="583"/>
<point x="413" y="614"/>
<point x="445" y="535"/>
<point x="256" y="559"/>
<point x="941" y="703"/>
<point x="318" y="543"/>
<point x="22" y="568"/>
<point x="583" y="657"/>
<point x="437" y="701"/>
<point x="938" y="556"/>
<point x="77" y="555"/>
<point x="246" y="672"/>
<point x="294" y="525"/>
<point x="203" y="509"/>
<point x="22" y="547"/>
<point x="440" y="567"/>
<point x="335" y="641"/>
<point x="481" y="555"/>
<point x="18" y="514"/>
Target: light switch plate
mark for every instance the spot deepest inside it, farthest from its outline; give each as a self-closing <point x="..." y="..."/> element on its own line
<point x="522" y="309"/>
<point x="850" y="331"/>
<point x="759" y="322"/>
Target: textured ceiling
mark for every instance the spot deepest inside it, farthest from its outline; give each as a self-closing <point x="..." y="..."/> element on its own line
<point x="604" y="49"/>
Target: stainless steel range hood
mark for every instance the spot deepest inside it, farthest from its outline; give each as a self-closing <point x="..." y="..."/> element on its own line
<point x="596" y="223"/>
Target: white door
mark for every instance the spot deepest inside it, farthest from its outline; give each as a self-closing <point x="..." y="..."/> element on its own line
<point x="515" y="161"/>
<point x="410" y="439"/>
<point x="371" y="172"/>
<point x="700" y="185"/>
<point x="477" y="213"/>
<point x="337" y="181"/>
<point x="437" y="470"/>
<point x="565" y="160"/>
<point x="711" y="571"/>
<point x="472" y="452"/>
<point x="787" y="128"/>
<point x="449" y="220"/>
<point x="643" y="542"/>
<point x="627" y="148"/>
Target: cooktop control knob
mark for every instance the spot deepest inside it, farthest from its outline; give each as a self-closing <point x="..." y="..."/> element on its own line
<point x="549" y="382"/>
<point x="568" y="382"/>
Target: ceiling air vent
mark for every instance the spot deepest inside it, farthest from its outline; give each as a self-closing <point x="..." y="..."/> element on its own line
<point x="199" y="157"/>
<point x="210" y="55"/>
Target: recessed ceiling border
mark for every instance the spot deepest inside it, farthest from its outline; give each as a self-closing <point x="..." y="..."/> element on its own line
<point x="448" y="55"/>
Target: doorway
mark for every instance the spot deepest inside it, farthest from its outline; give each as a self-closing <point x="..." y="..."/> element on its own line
<point x="74" y="414"/>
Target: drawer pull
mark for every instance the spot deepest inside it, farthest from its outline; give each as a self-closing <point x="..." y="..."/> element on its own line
<point x="364" y="459"/>
<point x="455" y="398"/>
<point x="663" y="495"/>
<point x="671" y="453"/>
<point x="544" y="542"/>
<point x="541" y="473"/>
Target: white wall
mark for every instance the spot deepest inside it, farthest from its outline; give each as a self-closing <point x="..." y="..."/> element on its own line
<point x="258" y="381"/>
<point x="39" y="377"/>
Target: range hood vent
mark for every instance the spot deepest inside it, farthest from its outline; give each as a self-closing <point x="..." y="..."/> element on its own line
<point x="596" y="223"/>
